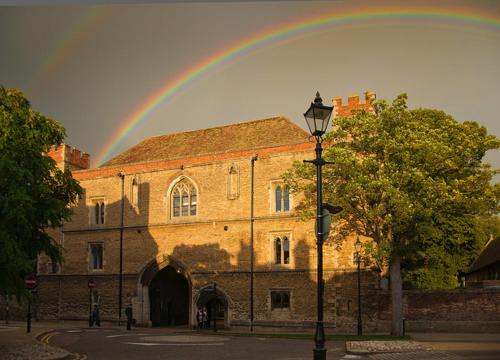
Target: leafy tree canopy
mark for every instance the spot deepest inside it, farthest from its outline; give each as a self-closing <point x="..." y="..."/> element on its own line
<point x="414" y="182"/>
<point x="34" y="193"/>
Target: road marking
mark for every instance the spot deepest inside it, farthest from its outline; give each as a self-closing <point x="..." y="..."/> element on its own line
<point x="119" y="335"/>
<point x="74" y="331"/>
<point x="171" y="344"/>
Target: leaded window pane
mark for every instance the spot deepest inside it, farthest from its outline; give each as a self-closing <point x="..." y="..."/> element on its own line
<point x="277" y="243"/>
<point x="286" y="198"/>
<point x="102" y="213"/>
<point x="185" y="203"/>
<point x="193" y="203"/>
<point x="96" y="252"/>
<point x="278" y="199"/>
<point x="96" y="213"/>
<point x="286" y="251"/>
<point x="177" y="202"/>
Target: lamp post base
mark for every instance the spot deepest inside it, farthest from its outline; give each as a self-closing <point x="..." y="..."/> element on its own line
<point x="319" y="354"/>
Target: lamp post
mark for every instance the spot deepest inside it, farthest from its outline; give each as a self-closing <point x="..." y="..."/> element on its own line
<point x="215" y="307"/>
<point x="317" y="118"/>
<point x="357" y="246"/>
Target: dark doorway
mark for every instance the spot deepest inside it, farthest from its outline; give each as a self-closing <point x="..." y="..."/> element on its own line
<point x="169" y="298"/>
<point x="215" y="305"/>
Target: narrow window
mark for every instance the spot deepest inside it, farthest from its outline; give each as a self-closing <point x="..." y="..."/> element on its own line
<point x="96" y="256"/>
<point x="176" y="203"/>
<point x="134" y="194"/>
<point x="278" y="199"/>
<point x="286" y="250"/>
<point x="185" y="204"/>
<point x="192" y="205"/>
<point x="233" y="183"/>
<point x="277" y="244"/>
<point x="286" y="198"/>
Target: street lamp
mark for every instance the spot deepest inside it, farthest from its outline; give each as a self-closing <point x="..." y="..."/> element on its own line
<point x="357" y="246"/>
<point x="317" y="118"/>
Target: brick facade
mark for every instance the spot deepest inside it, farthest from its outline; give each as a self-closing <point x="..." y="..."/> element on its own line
<point x="214" y="245"/>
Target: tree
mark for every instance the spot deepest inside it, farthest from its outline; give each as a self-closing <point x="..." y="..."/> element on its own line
<point x="34" y="193"/>
<point x="412" y="180"/>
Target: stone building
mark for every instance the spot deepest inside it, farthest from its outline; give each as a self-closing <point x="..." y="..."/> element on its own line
<point x="181" y="206"/>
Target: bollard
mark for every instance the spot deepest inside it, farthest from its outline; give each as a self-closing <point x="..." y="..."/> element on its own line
<point x="404" y="327"/>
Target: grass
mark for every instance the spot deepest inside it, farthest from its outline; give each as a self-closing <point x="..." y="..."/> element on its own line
<point x="310" y="336"/>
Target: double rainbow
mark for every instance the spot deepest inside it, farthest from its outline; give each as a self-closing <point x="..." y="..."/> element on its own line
<point x="172" y="86"/>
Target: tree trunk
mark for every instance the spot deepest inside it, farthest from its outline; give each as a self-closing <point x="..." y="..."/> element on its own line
<point x="396" y="296"/>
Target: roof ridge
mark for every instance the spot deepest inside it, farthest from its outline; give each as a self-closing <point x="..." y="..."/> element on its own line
<point x="223" y="126"/>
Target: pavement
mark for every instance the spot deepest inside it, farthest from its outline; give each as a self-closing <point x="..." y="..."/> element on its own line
<point x="75" y="341"/>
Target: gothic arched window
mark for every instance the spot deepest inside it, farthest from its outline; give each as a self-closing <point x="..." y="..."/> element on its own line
<point x="184" y="199"/>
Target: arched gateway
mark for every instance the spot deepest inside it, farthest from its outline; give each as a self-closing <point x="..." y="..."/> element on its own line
<point x="163" y="294"/>
<point x="165" y="297"/>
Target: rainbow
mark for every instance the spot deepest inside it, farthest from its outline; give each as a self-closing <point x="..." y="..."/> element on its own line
<point x="242" y="46"/>
<point x="68" y="42"/>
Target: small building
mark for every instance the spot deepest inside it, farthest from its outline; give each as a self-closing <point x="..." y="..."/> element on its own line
<point x="485" y="271"/>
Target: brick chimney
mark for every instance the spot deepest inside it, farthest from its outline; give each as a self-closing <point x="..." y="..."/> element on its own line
<point x="70" y="158"/>
<point x="353" y="103"/>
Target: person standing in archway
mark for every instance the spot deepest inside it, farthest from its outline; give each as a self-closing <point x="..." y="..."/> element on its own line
<point x="199" y="318"/>
<point x="205" y="318"/>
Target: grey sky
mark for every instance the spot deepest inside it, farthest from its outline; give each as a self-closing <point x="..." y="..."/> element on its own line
<point x="131" y="51"/>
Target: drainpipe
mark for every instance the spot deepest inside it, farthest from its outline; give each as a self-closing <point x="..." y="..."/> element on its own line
<point x="254" y="158"/>
<point x="120" y="280"/>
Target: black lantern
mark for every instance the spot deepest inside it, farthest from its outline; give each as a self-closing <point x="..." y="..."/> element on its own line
<point x="357" y="246"/>
<point x="318" y="116"/>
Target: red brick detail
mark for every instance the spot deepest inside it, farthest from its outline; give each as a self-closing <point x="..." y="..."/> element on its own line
<point x="70" y="156"/>
<point x="152" y="166"/>
<point x="352" y="104"/>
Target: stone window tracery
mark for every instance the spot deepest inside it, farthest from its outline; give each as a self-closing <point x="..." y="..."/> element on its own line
<point x="282" y="250"/>
<point x="97" y="211"/>
<point x="184" y="199"/>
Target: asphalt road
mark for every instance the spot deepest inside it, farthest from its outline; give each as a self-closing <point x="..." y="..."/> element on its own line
<point x="163" y="344"/>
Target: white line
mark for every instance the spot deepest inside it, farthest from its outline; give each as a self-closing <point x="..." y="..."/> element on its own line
<point x="119" y="335"/>
<point x="113" y="336"/>
<point x="175" y="344"/>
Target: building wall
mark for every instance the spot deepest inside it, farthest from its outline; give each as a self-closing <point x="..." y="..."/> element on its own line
<point x="213" y="246"/>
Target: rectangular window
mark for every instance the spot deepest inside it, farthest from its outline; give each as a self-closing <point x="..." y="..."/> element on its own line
<point x="280" y="299"/>
<point x="96" y="256"/>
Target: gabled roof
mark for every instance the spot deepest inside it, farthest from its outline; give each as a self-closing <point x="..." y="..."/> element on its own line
<point x="259" y="134"/>
<point x="489" y="255"/>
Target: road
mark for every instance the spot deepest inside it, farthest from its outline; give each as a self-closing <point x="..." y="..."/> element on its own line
<point x="151" y="344"/>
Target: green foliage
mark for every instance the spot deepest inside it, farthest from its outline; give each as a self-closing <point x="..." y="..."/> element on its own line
<point x="34" y="193"/>
<point x="413" y="181"/>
